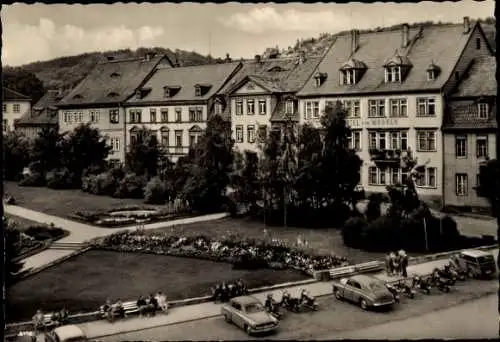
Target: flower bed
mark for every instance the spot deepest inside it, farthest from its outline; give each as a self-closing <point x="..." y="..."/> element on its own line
<point x="127" y="216"/>
<point x="241" y="253"/>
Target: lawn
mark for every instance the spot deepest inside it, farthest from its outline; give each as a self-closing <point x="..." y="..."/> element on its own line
<point x="22" y="223"/>
<point x="84" y="282"/>
<point x="63" y="203"/>
<point x="324" y="241"/>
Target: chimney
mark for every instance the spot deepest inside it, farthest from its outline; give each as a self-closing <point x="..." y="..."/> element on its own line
<point x="228" y="58"/>
<point x="466" y="25"/>
<point x="149" y="55"/>
<point x="354" y="41"/>
<point x="405" y="35"/>
<point x="257" y="58"/>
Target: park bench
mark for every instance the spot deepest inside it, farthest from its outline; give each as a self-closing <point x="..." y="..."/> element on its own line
<point x="130" y="308"/>
<point x="47" y="322"/>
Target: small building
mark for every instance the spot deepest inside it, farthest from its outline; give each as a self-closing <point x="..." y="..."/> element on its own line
<point x="175" y="104"/>
<point x="262" y="97"/>
<point x="394" y="85"/>
<point x="99" y="98"/>
<point x="15" y="105"/>
<point x="470" y="134"/>
<point x="42" y="115"/>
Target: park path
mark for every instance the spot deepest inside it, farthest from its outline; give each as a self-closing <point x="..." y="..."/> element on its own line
<point x="81" y="232"/>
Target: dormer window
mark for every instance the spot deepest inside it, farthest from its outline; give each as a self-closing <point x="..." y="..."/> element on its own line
<point x="77" y="97"/>
<point x="482" y="110"/>
<point x="393" y="74"/>
<point x="289" y="106"/>
<point x="218" y="108"/>
<point x="432" y="72"/>
<point x="166" y="92"/>
<point x="202" y="89"/>
<point x="397" y="68"/>
<point x="320" y="78"/>
<point x="138" y="94"/>
<point x="431" y="75"/>
<point x="115" y="75"/>
<point x="352" y="71"/>
<point x="198" y="91"/>
<point x="112" y="94"/>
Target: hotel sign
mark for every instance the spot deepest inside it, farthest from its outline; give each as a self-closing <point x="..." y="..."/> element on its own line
<point x="372" y="122"/>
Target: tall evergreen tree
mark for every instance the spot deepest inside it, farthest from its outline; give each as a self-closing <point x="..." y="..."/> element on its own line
<point x="144" y="155"/>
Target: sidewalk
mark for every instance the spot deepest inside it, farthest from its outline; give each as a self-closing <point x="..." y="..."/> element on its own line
<point x="80" y="232"/>
<point x="208" y="310"/>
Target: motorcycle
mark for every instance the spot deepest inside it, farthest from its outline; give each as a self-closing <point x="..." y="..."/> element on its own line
<point x="395" y="292"/>
<point x="447" y="273"/>
<point x="423" y="285"/>
<point x="308" y="301"/>
<point x="459" y="273"/>
<point x="273" y="308"/>
<point x="407" y="289"/>
<point x="443" y="284"/>
<point x="290" y="303"/>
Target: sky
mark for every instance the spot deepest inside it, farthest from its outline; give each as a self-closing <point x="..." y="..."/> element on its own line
<point x="38" y="32"/>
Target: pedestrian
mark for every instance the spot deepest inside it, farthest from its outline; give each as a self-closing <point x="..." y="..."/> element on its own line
<point x="397" y="263"/>
<point x="392" y="257"/>
<point x="404" y="263"/>
<point x="388" y="264"/>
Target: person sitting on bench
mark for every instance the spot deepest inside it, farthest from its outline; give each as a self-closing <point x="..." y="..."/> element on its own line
<point x="142" y="305"/>
<point x="152" y="305"/>
<point x="162" y="302"/>
<point x="117" y="309"/>
<point x="38" y="321"/>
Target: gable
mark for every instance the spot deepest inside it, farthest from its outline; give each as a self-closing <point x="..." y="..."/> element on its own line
<point x="250" y="87"/>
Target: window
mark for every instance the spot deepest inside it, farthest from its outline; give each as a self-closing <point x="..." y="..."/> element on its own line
<point x="377" y="108"/>
<point x="239" y="133"/>
<point x="152" y="115"/>
<point x="164" y="115"/>
<point x="164" y="138"/>
<point x="192" y="114"/>
<point x="482" y="146"/>
<point x="218" y="108"/>
<point x="78" y="117"/>
<point x="262" y="133"/>
<point x="377" y="140"/>
<point x="135" y="115"/>
<point x="377" y="176"/>
<point x="166" y="92"/>
<point x="250" y="107"/>
<point x="461" y="186"/>
<point x="352" y="108"/>
<point x="382" y="179"/>
<point x="115" y="144"/>
<point x="199" y="114"/>
<point x="354" y="140"/>
<point x="94" y="116"/>
<point x="347" y="76"/>
<point x="251" y="134"/>
<point x="427" y="179"/>
<point x="289" y="107"/>
<point x="197" y="91"/>
<point x="482" y="109"/>
<point x="312" y="110"/>
<point x="399" y="140"/>
<point x="178" y="114"/>
<point x="426" y="106"/>
<point x="461" y="146"/>
<point x="114" y="116"/>
<point x="178" y="138"/>
<point x="478" y="43"/>
<point x="16" y="108"/>
<point x="239" y="107"/>
<point x="399" y="108"/>
<point x="192" y="139"/>
<point x="4" y="108"/>
<point x="317" y="81"/>
<point x="431" y="75"/>
<point x="426" y="141"/>
<point x="393" y="74"/>
<point x="372" y="175"/>
<point x="262" y="107"/>
<point x="395" y="175"/>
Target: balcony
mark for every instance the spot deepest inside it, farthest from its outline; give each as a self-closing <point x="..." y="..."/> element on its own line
<point x="386" y="156"/>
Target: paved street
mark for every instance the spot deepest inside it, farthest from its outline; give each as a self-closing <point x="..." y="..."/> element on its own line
<point x="80" y="232"/>
<point x="335" y="317"/>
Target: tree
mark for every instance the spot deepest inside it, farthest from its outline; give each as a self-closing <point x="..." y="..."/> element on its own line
<point x="46" y="150"/>
<point x="245" y="178"/>
<point x="144" y="155"/>
<point x="212" y="160"/>
<point x="341" y="165"/>
<point x="23" y="82"/>
<point x="16" y="155"/>
<point x="83" y="148"/>
<point x="489" y="184"/>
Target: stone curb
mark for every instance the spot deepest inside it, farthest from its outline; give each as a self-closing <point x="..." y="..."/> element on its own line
<point x="430" y="257"/>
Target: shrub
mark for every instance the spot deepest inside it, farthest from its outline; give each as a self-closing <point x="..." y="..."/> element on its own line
<point x="34" y="179"/>
<point x="41" y="232"/>
<point x="381" y="234"/>
<point x="131" y="186"/>
<point x="86" y="182"/>
<point x="373" y="209"/>
<point x="155" y="191"/>
<point x="351" y="231"/>
<point x="106" y="184"/>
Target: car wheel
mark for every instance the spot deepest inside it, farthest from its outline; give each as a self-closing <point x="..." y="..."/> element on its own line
<point x="247" y="329"/>
<point x="337" y="294"/>
<point x="363" y="304"/>
<point x="226" y="317"/>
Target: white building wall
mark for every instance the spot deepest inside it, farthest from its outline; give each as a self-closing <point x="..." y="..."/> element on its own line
<point x="9" y="115"/>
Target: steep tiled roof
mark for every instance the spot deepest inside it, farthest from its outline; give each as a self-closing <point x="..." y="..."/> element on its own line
<point x="44" y="111"/>
<point x="186" y="78"/>
<point x="440" y="44"/>
<point x="12" y="95"/>
<point x="277" y="74"/>
<point x="480" y="79"/>
<point x="490" y="31"/>
<point x="465" y="116"/>
<point x="112" y="81"/>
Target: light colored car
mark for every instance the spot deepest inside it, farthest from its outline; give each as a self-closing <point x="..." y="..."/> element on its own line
<point x="249" y="314"/>
<point x="478" y="263"/>
<point x="66" y="333"/>
<point x="367" y="292"/>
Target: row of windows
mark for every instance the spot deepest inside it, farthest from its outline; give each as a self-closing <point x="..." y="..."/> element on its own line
<point x="461" y="146"/>
<point x="398" y="108"/>
<point x="394" y="140"/>
<point x="251" y="133"/>
<point x="194" y="137"/>
<point x="16" y="108"/>
<point x="195" y="115"/>
<point x="73" y="117"/>
<point x="462" y="184"/>
<point x="77" y="117"/>
<point x="251" y="107"/>
<point x="394" y="175"/>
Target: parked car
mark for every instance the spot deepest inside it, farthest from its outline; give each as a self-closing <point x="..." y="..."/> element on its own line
<point x="477" y="263"/>
<point x="66" y="333"/>
<point x="249" y="314"/>
<point x="366" y="291"/>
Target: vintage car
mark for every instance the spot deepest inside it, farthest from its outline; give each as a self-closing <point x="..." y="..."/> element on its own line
<point x="249" y="314"/>
<point x="477" y="263"/>
<point x="366" y="291"/>
<point x="66" y="333"/>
